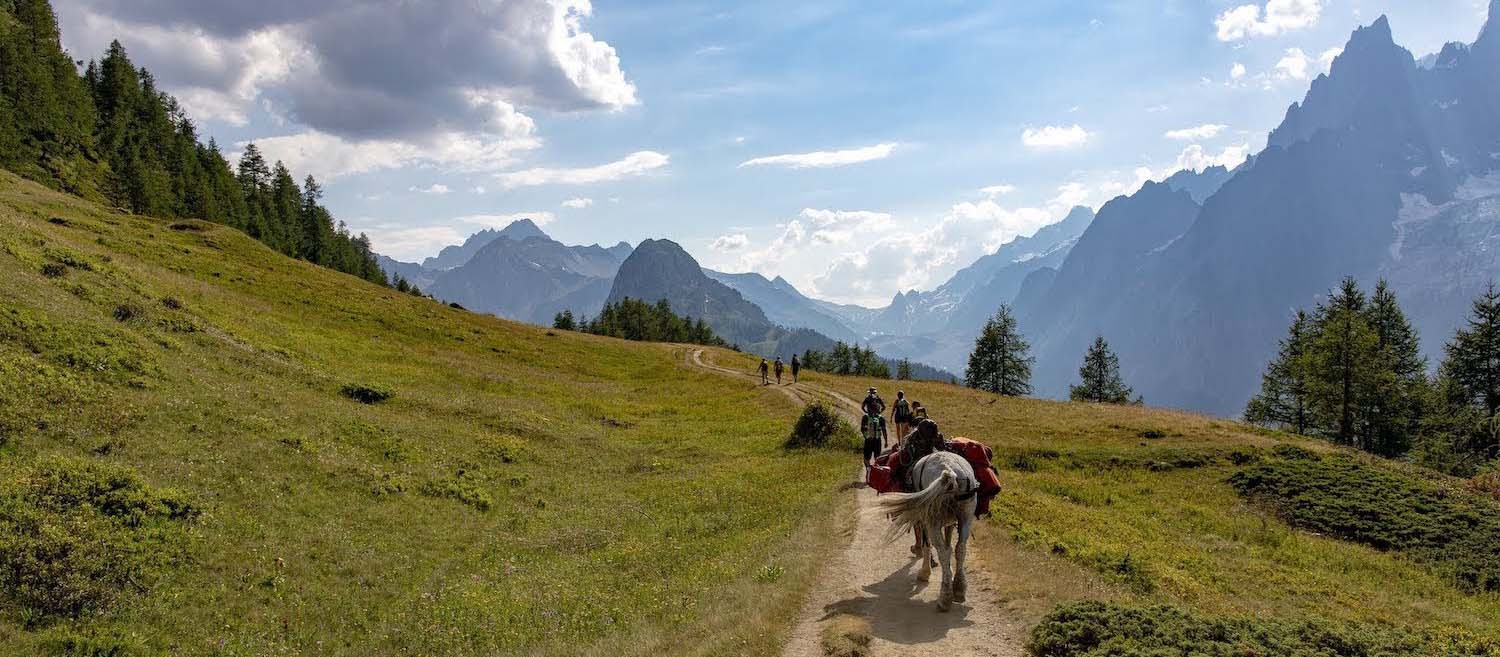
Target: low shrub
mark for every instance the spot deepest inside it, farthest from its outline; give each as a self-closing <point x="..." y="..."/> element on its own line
<point x="1456" y="532"/>
<point x="365" y="393"/>
<point x="1102" y="629"/>
<point x="69" y="642"/>
<point x="77" y="536"/>
<point x="464" y="486"/>
<point x="126" y="312"/>
<point x="820" y="426"/>
<point x="53" y="270"/>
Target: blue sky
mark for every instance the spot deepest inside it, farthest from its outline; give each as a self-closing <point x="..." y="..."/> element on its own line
<point x="856" y="148"/>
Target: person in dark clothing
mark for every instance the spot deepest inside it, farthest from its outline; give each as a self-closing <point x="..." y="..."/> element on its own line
<point x="874" y="408"/>
<point x="779" y="367"/>
<point x="901" y="415"/>
<point x="796" y="367"/>
<point x="763" y="368"/>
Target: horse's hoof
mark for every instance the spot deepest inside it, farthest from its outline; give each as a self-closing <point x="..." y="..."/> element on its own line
<point x="944" y="605"/>
<point x="922" y="577"/>
<point x="958" y="596"/>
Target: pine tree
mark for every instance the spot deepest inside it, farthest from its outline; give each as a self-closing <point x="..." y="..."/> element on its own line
<point x="1397" y="389"/>
<point x="903" y="369"/>
<point x="1284" y="395"/>
<point x="1000" y="362"/>
<point x="1472" y="358"/>
<point x="563" y="321"/>
<point x="1100" y="376"/>
<point x="1345" y="366"/>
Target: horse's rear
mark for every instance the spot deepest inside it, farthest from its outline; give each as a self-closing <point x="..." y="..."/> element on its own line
<point x="946" y="497"/>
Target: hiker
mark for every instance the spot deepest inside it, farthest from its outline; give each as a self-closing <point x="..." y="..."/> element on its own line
<point x="901" y="415"/>
<point x="796" y="367"/>
<point x="874" y="408"/>
<point x="764" y="380"/>
<point x="778" y="370"/>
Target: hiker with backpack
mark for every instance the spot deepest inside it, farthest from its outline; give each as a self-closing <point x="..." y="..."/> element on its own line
<point x="901" y="415"/>
<point x="764" y="380"/>
<point x="796" y="367"/>
<point x="778" y="370"/>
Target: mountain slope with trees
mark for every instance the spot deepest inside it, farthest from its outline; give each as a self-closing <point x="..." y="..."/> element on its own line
<point x="110" y="135"/>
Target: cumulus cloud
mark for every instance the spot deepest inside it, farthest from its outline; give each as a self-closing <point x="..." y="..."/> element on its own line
<point x="823" y="159"/>
<point x="1195" y="158"/>
<point x="1276" y="17"/>
<point x="578" y="203"/>
<point x="434" y="188"/>
<point x="727" y="243"/>
<point x="329" y="156"/>
<point x="634" y="164"/>
<point x="378" y="80"/>
<point x="1325" y="58"/>
<point x="1237" y="71"/>
<point x="1055" y="137"/>
<point x="1292" y="66"/>
<point x="997" y="190"/>
<point x="1205" y="131"/>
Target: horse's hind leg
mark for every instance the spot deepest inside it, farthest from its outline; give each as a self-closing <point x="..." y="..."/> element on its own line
<point x="945" y="559"/>
<point x="960" y="552"/>
<point x="925" y="554"/>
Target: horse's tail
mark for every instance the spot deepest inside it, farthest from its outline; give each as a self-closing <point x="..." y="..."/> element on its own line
<point x="922" y="508"/>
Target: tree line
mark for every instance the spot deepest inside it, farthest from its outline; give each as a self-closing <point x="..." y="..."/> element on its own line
<point x="849" y="359"/>
<point x="1001" y="363"/>
<point x="1351" y="371"/>
<point x="633" y="319"/>
<point x="109" y="135"/>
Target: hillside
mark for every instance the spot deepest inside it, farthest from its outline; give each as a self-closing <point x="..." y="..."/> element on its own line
<point x="1151" y="513"/>
<point x="184" y="382"/>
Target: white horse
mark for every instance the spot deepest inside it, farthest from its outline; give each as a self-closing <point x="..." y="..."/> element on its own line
<point x="946" y="497"/>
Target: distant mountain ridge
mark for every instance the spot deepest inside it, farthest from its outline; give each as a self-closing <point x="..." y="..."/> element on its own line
<point x="517" y="272"/>
<point x="1385" y="169"/>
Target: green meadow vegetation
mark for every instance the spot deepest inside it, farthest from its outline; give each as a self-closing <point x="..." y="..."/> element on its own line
<point x="1225" y="539"/>
<point x="207" y="447"/>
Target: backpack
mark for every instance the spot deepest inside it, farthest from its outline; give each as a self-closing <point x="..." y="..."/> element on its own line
<point x="903" y="410"/>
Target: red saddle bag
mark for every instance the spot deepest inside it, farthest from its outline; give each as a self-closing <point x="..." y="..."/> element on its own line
<point x="978" y="456"/>
<point x="881" y="478"/>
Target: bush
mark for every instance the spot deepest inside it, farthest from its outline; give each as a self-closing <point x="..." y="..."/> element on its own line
<point x="1101" y="629"/>
<point x="820" y="426"/>
<point x="76" y="536"/>
<point x="466" y="486"/>
<point x="1456" y="532"/>
<point x="366" y="394"/>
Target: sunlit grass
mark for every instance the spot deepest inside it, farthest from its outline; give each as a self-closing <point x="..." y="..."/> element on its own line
<point x="520" y="491"/>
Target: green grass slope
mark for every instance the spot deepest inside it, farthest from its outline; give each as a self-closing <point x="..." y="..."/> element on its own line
<point x="1145" y="507"/>
<point x="182" y="473"/>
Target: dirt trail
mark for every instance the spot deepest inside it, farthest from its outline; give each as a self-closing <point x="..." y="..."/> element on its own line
<point x="877" y="581"/>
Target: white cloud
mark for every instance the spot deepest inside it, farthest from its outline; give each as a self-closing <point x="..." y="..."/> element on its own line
<point x="435" y="188"/>
<point x="578" y="203"/>
<point x="1325" y="59"/>
<point x="997" y="190"/>
<point x="1292" y="66"/>
<point x="1237" y="71"/>
<point x="727" y="243"/>
<point x="822" y="159"/>
<point x="328" y="156"/>
<point x="1055" y="137"/>
<point x="635" y="164"/>
<point x="1195" y="158"/>
<point x="478" y="189"/>
<point x="1205" y="131"/>
<point x="1276" y="17"/>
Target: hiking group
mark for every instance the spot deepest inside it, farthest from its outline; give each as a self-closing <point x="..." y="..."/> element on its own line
<point x="888" y="464"/>
<point x="765" y="370"/>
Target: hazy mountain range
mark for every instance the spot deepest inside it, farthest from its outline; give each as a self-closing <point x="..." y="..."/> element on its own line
<point x="1390" y="167"/>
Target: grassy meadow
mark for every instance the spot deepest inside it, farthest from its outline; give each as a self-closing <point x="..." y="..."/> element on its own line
<point x="181" y="472"/>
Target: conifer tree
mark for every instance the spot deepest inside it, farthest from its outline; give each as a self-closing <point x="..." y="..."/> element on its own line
<point x="1397" y="389"/>
<point x="1472" y="358"/>
<point x="903" y="370"/>
<point x="1000" y="362"/>
<point x="1100" y="376"/>
<point x="1284" y="399"/>
<point x="1345" y="365"/>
